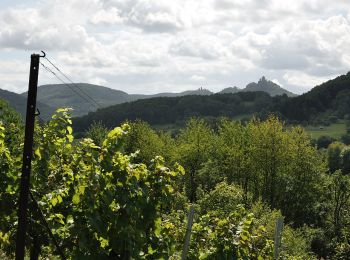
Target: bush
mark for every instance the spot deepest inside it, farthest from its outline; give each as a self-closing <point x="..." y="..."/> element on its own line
<point x="346" y="139"/>
<point x="224" y="198"/>
<point x="333" y="156"/>
<point x="333" y="119"/>
<point x="345" y="160"/>
<point x="324" y="141"/>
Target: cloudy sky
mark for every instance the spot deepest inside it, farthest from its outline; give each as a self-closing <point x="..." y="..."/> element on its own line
<point x="150" y="46"/>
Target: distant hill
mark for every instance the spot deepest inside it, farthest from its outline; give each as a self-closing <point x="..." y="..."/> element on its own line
<point x="19" y="103"/>
<point x="269" y="87"/>
<point x="327" y="101"/>
<point x="231" y="90"/>
<point x="62" y="95"/>
<point x="263" y="85"/>
<point x="323" y="103"/>
<point x="200" y="92"/>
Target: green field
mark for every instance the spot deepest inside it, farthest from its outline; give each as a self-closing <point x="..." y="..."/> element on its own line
<point x="334" y="130"/>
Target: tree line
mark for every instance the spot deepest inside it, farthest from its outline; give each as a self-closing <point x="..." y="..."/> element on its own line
<point x="323" y="105"/>
<point x="171" y="110"/>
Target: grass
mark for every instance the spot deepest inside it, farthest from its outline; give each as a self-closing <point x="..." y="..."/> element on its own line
<point x="335" y="130"/>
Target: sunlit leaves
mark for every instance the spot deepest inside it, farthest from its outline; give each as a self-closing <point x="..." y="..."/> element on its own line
<point x="104" y="202"/>
<point x="232" y="236"/>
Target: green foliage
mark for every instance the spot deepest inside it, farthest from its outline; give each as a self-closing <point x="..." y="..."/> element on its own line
<point x="339" y="157"/>
<point x="345" y="160"/>
<point x="97" y="132"/>
<point x="305" y="178"/>
<point x="96" y="200"/>
<point x="324" y="141"/>
<point x="193" y="149"/>
<point x="331" y="96"/>
<point x="230" y="237"/>
<point x="12" y="122"/>
<point x="342" y="250"/>
<point x="294" y="245"/>
<point x="333" y="156"/>
<point x="114" y="196"/>
<point x="346" y="139"/>
<point x="172" y="110"/>
<point x="340" y="206"/>
<point x="268" y="162"/>
<point x="223" y="199"/>
<point x="144" y="139"/>
<point x="101" y="204"/>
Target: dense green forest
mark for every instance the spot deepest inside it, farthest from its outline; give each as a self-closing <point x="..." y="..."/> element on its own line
<point x="331" y="98"/>
<point x="125" y="193"/>
<point x="170" y="110"/>
<point x="19" y="102"/>
<point x="323" y="105"/>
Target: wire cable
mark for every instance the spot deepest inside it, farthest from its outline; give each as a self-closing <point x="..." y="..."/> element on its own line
<point x="66" y="84"/>
<point x="71" y="81"/>
<point x="40" y="119"/>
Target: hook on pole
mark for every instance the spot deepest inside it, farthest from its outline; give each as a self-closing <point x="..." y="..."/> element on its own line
<point x="44" y="54"/>
<point x="37" y="112"/>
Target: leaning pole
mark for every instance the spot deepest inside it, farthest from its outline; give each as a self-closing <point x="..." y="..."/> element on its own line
<point x="27" y="156"/>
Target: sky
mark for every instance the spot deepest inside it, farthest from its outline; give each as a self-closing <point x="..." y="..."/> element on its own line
<point x="152" y="46"/>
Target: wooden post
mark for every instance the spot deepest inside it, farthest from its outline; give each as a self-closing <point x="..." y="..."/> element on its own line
<point x="188" y="233"/>
<point x="27" y="157"/>
<point x="278" y="237"/>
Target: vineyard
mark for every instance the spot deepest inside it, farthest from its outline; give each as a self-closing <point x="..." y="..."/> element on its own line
<point x="126" y="193"/>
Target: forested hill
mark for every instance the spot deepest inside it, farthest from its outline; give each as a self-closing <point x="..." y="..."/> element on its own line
<point x="19" y="103"/>
<point x="77" y="96"/>
<point x="170" y="110"/>
<point x="331" y="98"/>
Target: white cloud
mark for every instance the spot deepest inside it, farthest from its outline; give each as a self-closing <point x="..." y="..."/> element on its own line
<point x="200" y="46"/>
<point x="156" y="45"/>
<point x="97" y="81"/>
<point x="276" y="81"/>
<point x="111" y="16"/>
<point x="198" y="78"/>
<point x="29" y="29"/>
<point x="303" y="80"/>
<point x="156" y="16"/>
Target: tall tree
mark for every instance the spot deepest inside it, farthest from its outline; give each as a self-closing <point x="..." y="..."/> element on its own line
<point x="333" y="156"/>
<point x="194" y="145"/>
